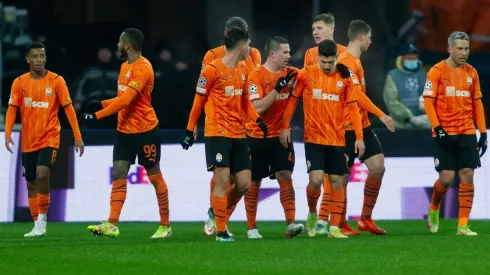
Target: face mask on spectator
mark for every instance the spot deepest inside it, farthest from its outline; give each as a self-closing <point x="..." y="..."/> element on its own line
<point x="411" y="65"/>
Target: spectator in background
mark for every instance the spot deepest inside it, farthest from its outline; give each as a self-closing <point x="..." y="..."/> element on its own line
<point x="97" y="83"/>
<point x="403" y="89"/>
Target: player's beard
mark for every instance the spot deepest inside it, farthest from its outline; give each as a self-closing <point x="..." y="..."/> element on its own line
<point x="121" y="54"/>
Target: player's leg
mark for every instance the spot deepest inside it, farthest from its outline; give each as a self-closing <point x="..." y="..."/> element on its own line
<point x="374" y="159"/>
<point x="468" y="160"/>
<point x="149" y="153"/>
<point x="315" y="164"/>
<point x="322" y="226"/>
<point x="282" y="166"/>
<point x="208" y="228"/>
<point x="445" y="164"/>
<point x="218" y="151"/>
<point x="29" y="163"/>
<point x="350" y="155"/>
<point x="336" y="168"/>
<point x="123" y="156"/>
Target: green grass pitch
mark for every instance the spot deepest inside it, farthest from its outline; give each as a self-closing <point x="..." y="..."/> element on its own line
<point x="409" y="248"/>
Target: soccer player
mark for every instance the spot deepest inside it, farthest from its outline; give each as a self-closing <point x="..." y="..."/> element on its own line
<point x="452" y="101"/>
<point x="359" y="34"/>
<point x="137" y="133"/>
<point x="252" y="61"/>
<point x="327" y="90"/>
<point x="269" y="88"/>
<point x="323" y="27"/>
<point x="220" y="91"/>
<point x="38" y="94"/>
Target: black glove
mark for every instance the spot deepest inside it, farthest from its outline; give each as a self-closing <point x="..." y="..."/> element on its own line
<point x="88" y="117"/>
<point x="482" y="143"/>
<point x="188" y="140"/>
<point x="284" y="80"/>
<point x="94" y="106"/>
<point x="441" y="136"/>
<point x="262" y="126"/>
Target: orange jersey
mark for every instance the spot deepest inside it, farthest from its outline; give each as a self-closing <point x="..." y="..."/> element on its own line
<point x="260" y="83"/>
<point x="139" y="116"/>
<point x="325" y="99"/>
<point x="454" y="91"/>
<point x="311" y="55"/>
<point x="224" y="88"/>
<point x="355" y="66"/>
<point x="253" y="60"/>
<point x="39" y="101"/>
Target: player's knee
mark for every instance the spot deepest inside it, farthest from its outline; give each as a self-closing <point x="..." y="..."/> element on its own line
<point x="31" y="187"/>
<point x="243" y="187"/>
<point x="377" y="171"/>
<point x="153" y="169"/>
<point x="316" y="180"/>
<point x="120" y="171"/>
<point x="337" y="182"/>
<point x="466" y="175"/>
<point x="446" y="178"/>
<point x="42" y="175"/>
<point x="283" y="175"/>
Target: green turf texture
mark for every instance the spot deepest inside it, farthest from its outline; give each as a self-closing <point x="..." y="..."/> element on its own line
<point x="409" y="248"/>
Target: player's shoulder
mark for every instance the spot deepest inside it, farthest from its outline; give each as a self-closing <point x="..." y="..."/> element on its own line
<point x="257" y="72"/>
<point x="312" y="50"/>
<point x="217" y="52"/>
<point x="23" y="78"/>
<point x="296" y="70"/>
<point x="467" y="67"/>
<point x="143" y="63"/>
<point x="254" y="51"/>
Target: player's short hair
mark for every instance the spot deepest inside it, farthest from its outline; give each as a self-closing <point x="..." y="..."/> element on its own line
<point x="34" y="45"/>
<point x="235" y="22"/>
<point x="235" y="36"/>
<point x="135" y="38"/>
<point x="455" y="36"/>
<point x="356" y="28"/>
<point x="326" y="18"/>
<point x="274" y="43"/>
<point x="327" y="48"/>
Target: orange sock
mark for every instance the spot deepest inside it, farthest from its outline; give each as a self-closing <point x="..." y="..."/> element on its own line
<point x="43" y="203"/>
<point x="371" y="192"/>
<point x="212" y="184"/>
<point x="466" y="194"/>
<point x="437" y="194"/>
<point x="162" y="197"/>
<point x="312" y="197"/>
<point x="343" y="216"/>
<point x="288" y="200"/>
<point x="118" y="196"/>
<point x="219" y="209"/>
<point x="337" y="206"/>
<point x="323" y="215"/>
<point x="34" y="207"/>
<point x="232" y="199"/>
<point x="251" y="203"/>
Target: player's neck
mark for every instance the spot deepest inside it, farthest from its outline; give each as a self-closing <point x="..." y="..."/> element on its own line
<point x="271" y="67"/>
<point x="354" y="49"/>
<point x="231" y="59"/>
<point x="452" y="64"/>
<point x="133" y="56"/>
<point x="38" y="74"/>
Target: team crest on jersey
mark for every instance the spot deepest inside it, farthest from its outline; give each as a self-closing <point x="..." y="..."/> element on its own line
<point x="253" y="89"/>
<point x="436" y="162"/>
<point x="308" y="164"/>
<point x="201" y="82"/>
<point x="219" y="157"/>
<point x="48" y="91"/>
<point x="339" y="85"/>
<point x="469" y="80"/>
<point x="428" y="85"/>
<point x="351" y="74"/>
<point x="128" y="74"/>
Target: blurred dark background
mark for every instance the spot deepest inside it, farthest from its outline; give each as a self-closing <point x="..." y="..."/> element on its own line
<point x="81" y="38"/>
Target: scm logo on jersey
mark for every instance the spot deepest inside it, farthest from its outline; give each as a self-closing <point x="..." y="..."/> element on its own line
<point x="35" y="104"/>
<point x="317" y="94"/>
<point x="463" y="93"/>
<point x="282" y="96"/>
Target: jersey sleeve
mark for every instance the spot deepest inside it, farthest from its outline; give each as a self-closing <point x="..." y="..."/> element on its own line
<point x="15" y="93"/>
<point x="256" y="58"/>
<point x="432" y="84"/>
<point x="62" y="91"/>
<point x="208" y="58"/>
<point x="254" y="86"/>
<point x="351" y="90"/>
<point x="139" y="77"/>
<point x="206" y="80"/>
<point x="300" y="83"/>
<point x="476" y="91"/>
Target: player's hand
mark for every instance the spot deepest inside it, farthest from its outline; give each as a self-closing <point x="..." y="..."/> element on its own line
<point x="360" y="148"/>
<point x="195" y="133"/>
<point x="284" y="80"/>
<point x="441" y="135"/>
<point x="285" y="138"/>
<point x="79" y="147"/>
<point x="388" y="122"/>
<point x="262" y="126"/>
<point x="9" y="141"/>
<point x="88" y="117"/>
<point x="188" y="140"/>
<point x="94" y="106"/>
<point x="482" y="143"/>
